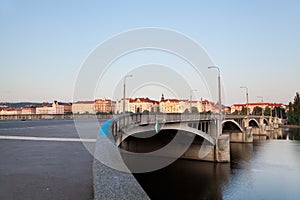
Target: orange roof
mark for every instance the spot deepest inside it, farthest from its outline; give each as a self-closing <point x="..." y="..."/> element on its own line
<point x="142" y="100"/>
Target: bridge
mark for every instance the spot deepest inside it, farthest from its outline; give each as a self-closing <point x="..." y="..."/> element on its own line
<point x="141" y="133"/>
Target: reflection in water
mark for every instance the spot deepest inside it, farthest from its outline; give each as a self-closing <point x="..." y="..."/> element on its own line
<point x="292" y="133"/>
<point x="265" y="169"/>
<point x="186" y="179"/>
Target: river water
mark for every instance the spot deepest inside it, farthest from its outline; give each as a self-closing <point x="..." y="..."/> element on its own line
<point x="268" y="168"/>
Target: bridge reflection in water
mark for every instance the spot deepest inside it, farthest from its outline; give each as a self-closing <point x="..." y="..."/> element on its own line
<point x="185" y="179"/>
<point x="190" y="179"/>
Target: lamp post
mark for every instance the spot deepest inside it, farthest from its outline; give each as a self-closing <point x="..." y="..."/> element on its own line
<point x="191" y="91"/>
<point x="247" y="99"/>
<point x="261" y="97"/>
<point x="262" y="108"/>
<point x="247" y="102"/>
<point x="219" y="94"/>
<point x="124" y="91"/>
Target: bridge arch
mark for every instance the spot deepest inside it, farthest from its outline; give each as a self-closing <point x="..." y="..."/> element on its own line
<point x="231" y="124"/>
<point x="253" y="123"/>
<point x="266" y="121"/>
<point x="182" y="127"/>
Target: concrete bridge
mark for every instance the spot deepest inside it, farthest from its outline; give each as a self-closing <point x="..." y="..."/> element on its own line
<point x="149" y="132"/>
<point x="242" y="128"/>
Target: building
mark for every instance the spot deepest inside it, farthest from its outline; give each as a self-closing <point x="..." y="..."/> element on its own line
<point x="83" y="107"/>
<point x="227" y="110"/>
<point x="104" y="106"/>
<point x="61" y="108"/>
<point x="236" y="108"/>
<point x="119" y="106"/>
<point x="28" y="110"/>
<point x="46" y="108"/>
<point x="54" y="108"/>
<point x="209" y="106"/>
<point x="139" y="105"/>
<point x="10" y="111"/>
<point x="169" y="105"/>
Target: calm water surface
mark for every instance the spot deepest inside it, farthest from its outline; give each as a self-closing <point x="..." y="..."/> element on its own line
<point x="266" y="169"/>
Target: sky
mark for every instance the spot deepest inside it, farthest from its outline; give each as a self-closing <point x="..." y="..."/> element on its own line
<point x="44" y="44"/>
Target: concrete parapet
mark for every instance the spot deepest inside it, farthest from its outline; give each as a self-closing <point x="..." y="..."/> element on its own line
<point x="111" y="183"/>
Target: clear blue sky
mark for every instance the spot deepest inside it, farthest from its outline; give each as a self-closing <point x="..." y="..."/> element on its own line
<point x="44" y="43"/>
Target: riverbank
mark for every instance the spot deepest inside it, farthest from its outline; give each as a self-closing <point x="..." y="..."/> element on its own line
<point x="24" y="117"/>
<point x="289" y="126"/>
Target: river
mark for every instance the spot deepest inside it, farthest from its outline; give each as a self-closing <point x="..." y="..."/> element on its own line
<point x="268" y="168"/>
<point x="265" y="169"/>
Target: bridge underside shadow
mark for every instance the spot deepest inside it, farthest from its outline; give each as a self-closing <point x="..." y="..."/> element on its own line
<point x="236" y="132"/>
<point x="190" y="145"/>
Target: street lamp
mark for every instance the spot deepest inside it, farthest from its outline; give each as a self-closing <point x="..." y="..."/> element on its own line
<point x="191" y="99"/>
<point x="262" y="106"/>
<point x="247" y="99"/>
<point x="124" y="91"/>
<point x="219" y="94"/>
<point x="261" y="97"/>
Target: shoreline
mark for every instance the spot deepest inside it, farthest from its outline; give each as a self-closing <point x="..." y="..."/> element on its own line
<point x="290" y="126"/>
<point x="31" y="117"/>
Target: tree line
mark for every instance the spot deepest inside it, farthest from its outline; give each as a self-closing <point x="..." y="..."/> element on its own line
<point x="294" y="111"/>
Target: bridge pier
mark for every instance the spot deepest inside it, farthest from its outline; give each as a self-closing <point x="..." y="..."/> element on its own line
<point x="220" y="152"/>
<point x="244" y="136"/>
<point x="222" y="149"/>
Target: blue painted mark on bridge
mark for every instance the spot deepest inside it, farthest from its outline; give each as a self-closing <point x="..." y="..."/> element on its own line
<point x="104" y="130"/>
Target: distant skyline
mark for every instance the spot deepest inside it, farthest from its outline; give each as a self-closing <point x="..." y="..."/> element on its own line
<point x="255" y="44"/>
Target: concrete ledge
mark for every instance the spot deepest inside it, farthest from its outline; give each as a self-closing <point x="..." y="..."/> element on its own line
<point x="110" y="183"/>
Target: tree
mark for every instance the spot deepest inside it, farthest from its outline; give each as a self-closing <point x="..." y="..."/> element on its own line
<point x="158" y="110"/>
<point x="244" y="111"/>
<point x="236" y="112"/>
<point x="294" y="111"/>
<point x="186" y="111"/>
<point x="146" y="112"/>
<point x="257" y="111"/>
<point x="267" y="111"/>
<point x="279" y="112"/>
<point x="194" y="110"/>
<point x="152" y="110"/>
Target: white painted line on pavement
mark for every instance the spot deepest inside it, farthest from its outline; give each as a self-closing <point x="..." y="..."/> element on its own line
<point x="6" y="137"/>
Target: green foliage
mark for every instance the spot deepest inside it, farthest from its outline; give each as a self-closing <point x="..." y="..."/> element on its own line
<point x="146" y="112"/>
<point x="236" y="112"/>
<point x="152" y="110"/>
<point x="267" y="111"/>
<point x="186" y="111"/>
<point x="257" y="110"/>
<point x="279" y="112"/>
<point x="243" y="111"/>
<point x="195" y="110"/>
<point x="101" y="113"/>
<point x="158" y="110"/>
<point x="294" y="111"/>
